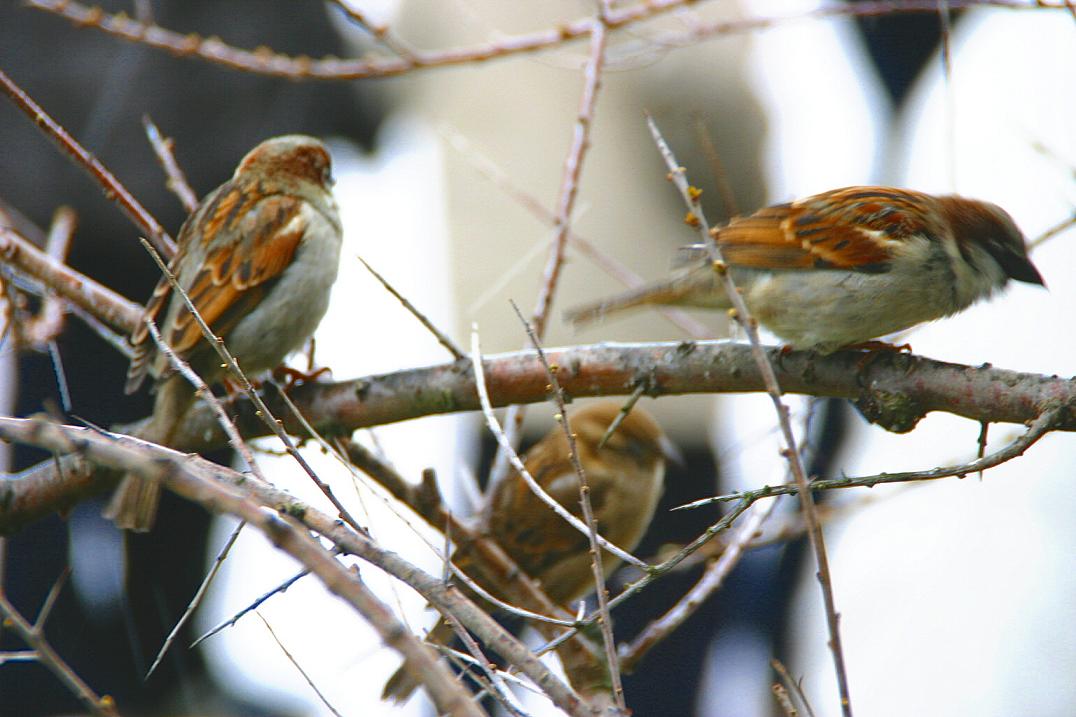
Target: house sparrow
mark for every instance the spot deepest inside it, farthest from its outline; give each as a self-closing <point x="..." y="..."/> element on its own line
<point x="625" y="477"/>
<point x="258" y="258"/>
<point x="849" y="265"/>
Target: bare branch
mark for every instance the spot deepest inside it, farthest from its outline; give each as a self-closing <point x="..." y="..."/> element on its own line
<point x="609" y="264"/>
<point x="266" y="61"/>
<point x="442" y="337"/>
<point x="177" y="181"/>
<point x="82" y="291"/>
<point x="517" y="463"/>
<point x="271" y="510"/>
<point x="278" y="590"/>
<point x="600" y="591"/>
<point x="569" y="188"/>
<point x="43" y="652"/>
<point x="111" y="186"/>
<point x="898" y="389"/>
<point x="293" y="661"/>
<point x="199" y="595"/>
<point x="791" y="453"/>
<point x="1045" y="422"/>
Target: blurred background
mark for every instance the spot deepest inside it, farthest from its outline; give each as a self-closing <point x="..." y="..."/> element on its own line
<point x="955" y="597"/>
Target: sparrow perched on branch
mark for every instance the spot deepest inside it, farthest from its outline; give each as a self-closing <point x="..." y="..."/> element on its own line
<point x="625" y="476"/>
<point x="257" y="258"/>
<point x="849" y="265"/>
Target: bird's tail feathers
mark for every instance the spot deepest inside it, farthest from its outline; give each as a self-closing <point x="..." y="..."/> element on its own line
<point x="695" y="287"/>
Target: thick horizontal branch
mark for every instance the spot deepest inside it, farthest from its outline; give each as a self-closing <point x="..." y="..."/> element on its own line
<point x="895" y="390"/>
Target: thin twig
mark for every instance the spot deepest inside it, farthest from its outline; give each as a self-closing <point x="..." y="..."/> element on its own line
<point x="268" y="62"/>
<point x="442" y="337"/>
<point x="43" y="652"/>
<point x="867" y="8"/>
<point x="426" y="502"/>
<point x="112" y="187"/>
<point x="783" y="700"/>
<point x="379" y="32"/>
<point x="711" y="580"/>
<point x="51" y="598"/>
<point x="717" y="168"/>
<point x="569" y="189"/>
<point x="222" y="490"/>
<point x="624" y="411"/>
<point x="604" y="622"/>
<point x="295" y="663"/>
<point x="793" y="685"/>
<point x="200" y="387"/>
<point x="517" y="463"/>
<point x="278" y="590"/>
<point x="791" y="453"/>
<point x="199" y="595"/>
<point x="163" y="147"/>
<point x="607" y="263"/>
<point x="984" y="431"/>
<point x="656" y="571"/>
<point x="488" y="676"/>
<point x="714" y="576"/>
<point x="1053" y="231"/>
<point x="1046" y="421"/>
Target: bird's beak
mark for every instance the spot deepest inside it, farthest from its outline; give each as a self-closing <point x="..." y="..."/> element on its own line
<point x="1020" y="268"/>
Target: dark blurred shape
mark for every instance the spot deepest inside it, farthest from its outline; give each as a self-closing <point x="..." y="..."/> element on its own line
<point x="99" y="88"/>
<point x="900" y="45"/>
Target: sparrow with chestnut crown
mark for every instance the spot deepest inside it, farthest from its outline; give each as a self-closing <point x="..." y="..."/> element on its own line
<point x="850" y="265"/>
<point x="625" y="477"/>
<point x="258" y="258"/>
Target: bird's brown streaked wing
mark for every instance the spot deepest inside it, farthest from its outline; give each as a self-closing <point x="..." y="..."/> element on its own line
<point x="843" y="229"/>
<point x="236" y="275"/>
<point x="144" y="348"/>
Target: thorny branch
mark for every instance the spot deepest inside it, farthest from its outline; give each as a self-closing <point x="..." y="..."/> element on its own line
<point x="791" y="452"/>
<point x="600" y="591"/>
<point x="33" y="634"/>
<point x="273" y="511"/>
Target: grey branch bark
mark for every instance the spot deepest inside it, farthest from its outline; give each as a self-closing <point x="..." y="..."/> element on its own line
<point x="893" y="390"/>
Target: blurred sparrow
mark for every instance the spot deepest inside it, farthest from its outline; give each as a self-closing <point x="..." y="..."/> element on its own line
<point x="849" y="265"/>
<point x="257" y="258"/>
<point x="625" y="477"/>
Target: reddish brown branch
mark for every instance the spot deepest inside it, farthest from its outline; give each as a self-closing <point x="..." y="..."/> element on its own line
<point x="266" y="61"/>
<point x="113" y="189"/>
<point x="176" y="180"/>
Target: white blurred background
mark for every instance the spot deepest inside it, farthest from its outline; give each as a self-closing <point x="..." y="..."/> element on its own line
<point x="956" y="597"/>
